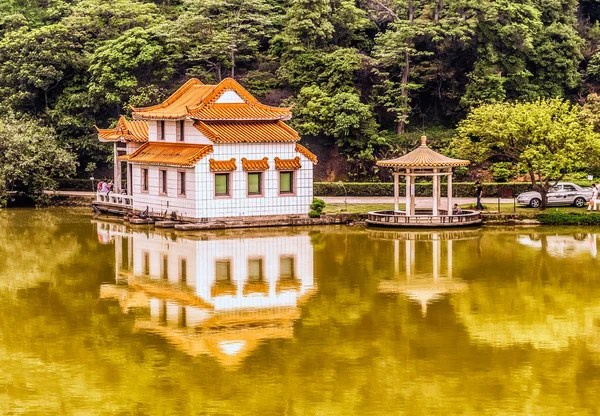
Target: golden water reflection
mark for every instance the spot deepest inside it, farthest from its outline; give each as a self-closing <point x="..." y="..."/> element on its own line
<point x="106" y="320"/>
<point x="221" y="296"/>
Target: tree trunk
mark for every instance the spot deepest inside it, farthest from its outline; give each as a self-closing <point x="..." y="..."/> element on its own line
<point x="405" y="76"/>
<point x="438" y="10"/>
<point x="233" y="63"/>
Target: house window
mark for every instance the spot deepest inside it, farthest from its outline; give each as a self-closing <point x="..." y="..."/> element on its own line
<point x="286" y="182"/>
<point x="254" y="183"/>
<point x="222" y="184"/>
<point x="255" y="270"/>
<point x="287" y="268"/>
<point x="181" y="183"/>
<point x="183" y="270"/>
<point x="164" y="267"/>
<point x="146" y="263"/>
<point x="223" y="271"/>
<point x="163" y="182"/>
<point x="161" y="130"/>
<point x="181" y="130"/>
<point x="144" y="180"/>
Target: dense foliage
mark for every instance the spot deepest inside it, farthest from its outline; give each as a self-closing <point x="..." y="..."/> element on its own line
<point x="357" y="71"/>
<point x="30" y="159"/>
<point x="545" y="139"/>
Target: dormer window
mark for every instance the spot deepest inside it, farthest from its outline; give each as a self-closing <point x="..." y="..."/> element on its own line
<point x="161" y="130"/>
<point x="181" y="130"/>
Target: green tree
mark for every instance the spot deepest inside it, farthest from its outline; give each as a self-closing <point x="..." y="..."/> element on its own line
<point x="34" y="63"/>
<point x="30" y="159"/>
<point x="220" y="35"/>
<point x="547" y="138"/>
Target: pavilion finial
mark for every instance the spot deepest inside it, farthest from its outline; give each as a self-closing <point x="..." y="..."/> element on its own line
<point x="423" y="140"/>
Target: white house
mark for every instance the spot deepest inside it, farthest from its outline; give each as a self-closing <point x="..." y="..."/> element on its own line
<point x="213" y="151"/>
<point x="218" y="297"/>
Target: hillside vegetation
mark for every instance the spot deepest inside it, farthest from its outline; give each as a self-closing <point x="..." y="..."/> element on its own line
<point x="366" y="77"/>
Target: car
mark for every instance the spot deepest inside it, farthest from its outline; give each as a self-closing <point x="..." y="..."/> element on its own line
<point x="563" y="193"/>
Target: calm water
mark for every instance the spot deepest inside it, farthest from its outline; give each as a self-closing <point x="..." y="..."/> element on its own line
<point x="100" y="319"/>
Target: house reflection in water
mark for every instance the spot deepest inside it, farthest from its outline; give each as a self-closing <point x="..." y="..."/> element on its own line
<point x="222" y="296"/>
<point x="423" y="264"/>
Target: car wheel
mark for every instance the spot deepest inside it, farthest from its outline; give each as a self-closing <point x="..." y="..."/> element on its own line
<point x="535" y="203"/>
<point x="579" y="202"/>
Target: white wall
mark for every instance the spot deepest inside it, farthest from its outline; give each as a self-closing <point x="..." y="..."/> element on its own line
<point x="201" y="257"/>
<point x="160" y="203"/>
<point x="191" y="133"/>
<point x="239" y="204"/>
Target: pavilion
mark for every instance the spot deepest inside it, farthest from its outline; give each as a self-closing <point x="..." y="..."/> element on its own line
<point x="423" y="162"/>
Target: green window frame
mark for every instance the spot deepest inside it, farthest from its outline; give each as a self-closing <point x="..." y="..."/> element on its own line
<point x="222" y="184"/>
<point x="286" y="182"/>
<point x="254" y="183"/>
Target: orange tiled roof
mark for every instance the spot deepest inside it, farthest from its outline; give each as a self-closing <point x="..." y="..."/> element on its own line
<point x="176" y="106"/>
<point x="250" y="109"/>
<point x="198" y="101"/>
<point x="288" y="164"/>
<point x="310" y="155"/>
<point x="423" y="157"/>
<point x="170" y="154"/>
<point x="247" y="131"/>
<point x="127" y="130"/>
<point x="222" y="165"/>
<point x="123" y="157"/>
<point x="255" y="165"/>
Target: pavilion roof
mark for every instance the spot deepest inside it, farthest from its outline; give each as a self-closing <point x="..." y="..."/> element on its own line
<point x="423" y="157"/>
<point x="126" y="130"/>
<point x="170" y="154"/>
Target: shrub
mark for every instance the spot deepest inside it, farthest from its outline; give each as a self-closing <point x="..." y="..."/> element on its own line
<point x="316" y="208"/>
<point x="502" y="171"/>
<point x="459" y="189"/>
<point x="568" y="218"/>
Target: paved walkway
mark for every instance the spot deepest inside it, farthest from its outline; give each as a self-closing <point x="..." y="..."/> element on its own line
<point x="421" y="201"/>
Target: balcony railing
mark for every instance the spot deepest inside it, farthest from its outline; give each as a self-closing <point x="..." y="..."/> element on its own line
<point x="423" y="218"/>
<point x="115" y="199"/>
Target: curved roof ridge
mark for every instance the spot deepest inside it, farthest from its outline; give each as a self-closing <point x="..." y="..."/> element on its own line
<point x="172" y="98"/>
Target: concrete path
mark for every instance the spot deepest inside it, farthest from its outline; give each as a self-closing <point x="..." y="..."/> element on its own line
<point x="421" y="201"/>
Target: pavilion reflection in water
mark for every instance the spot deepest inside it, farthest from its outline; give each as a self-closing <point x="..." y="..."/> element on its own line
<point x="423" y="264"/>
<point x="221" y="296"/>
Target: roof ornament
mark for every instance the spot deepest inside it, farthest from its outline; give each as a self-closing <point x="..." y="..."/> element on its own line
<point x="423" y="140"/>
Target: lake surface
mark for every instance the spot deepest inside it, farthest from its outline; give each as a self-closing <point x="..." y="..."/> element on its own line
<point x="101" y="319"/>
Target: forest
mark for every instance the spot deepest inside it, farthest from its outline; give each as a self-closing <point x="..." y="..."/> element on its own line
<point x="366" y="77"/>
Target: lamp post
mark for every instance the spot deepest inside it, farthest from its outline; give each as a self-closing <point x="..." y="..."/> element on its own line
<point x="93" y="187"/>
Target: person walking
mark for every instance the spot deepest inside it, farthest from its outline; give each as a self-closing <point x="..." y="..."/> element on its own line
<point x="478" y="194"/>
<point x="594" y="198"/>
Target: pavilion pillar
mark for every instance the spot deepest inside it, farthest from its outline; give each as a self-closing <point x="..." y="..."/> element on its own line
<point x="439" y="193"/>
<point x="396" y="189"/>
<point x="408" y="196"/>
<point x="436" y="179"/>
<point x="449" y="198"/>
<point x="116" y="171"/>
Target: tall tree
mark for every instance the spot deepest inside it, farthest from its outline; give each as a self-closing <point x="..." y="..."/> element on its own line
<point x="546" y="138"/>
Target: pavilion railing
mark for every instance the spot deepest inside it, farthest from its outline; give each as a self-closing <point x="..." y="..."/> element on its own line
<point x="422" y="217"/>
<point x="115" y="199"/>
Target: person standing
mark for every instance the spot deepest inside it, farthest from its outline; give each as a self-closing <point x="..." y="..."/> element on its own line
<point x="594" y="198"/>
<point x="478" y="194"/>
